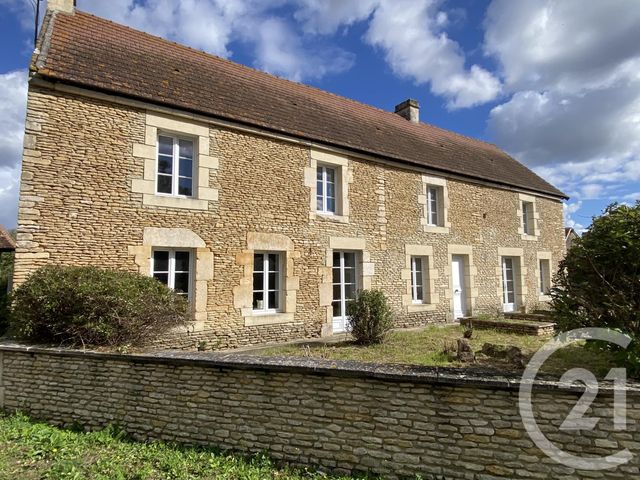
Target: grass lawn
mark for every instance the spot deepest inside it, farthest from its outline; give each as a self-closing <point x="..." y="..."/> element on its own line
<point x="31" y="450"/>
<point x="426" y="347"/>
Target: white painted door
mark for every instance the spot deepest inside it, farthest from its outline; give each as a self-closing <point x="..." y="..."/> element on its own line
<point x="457" y="280"/>
<point x="508" y="285"/>
<point x="345" y="284"/>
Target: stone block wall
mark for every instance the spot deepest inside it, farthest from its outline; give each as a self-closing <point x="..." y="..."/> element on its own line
<point x="342" y="417"/>
<point x="85" y="201"/>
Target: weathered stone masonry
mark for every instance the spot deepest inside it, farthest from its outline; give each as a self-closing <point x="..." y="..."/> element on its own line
<point x="340" y="416"/>
<point x="85" y="200"/>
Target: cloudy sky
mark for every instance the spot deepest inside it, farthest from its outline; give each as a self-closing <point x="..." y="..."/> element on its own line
<point x="554" y="83"/>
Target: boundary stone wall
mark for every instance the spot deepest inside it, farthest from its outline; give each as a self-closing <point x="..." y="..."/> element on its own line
<point x="343" y="417"/>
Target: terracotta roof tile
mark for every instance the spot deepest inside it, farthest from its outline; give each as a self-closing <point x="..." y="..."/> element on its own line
<point x="86" y="50"/>
<point x="6" y="241"/>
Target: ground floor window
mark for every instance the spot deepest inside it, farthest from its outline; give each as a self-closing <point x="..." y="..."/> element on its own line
<point x="345" y="285"/>
<point x="174" y="269"/>
<point x="419" y="269"/>
<point x="267" y="282"/>
<point x="545" y="277"/>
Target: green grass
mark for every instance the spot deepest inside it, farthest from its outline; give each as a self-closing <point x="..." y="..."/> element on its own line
<point x="31" y="450"/>
<point x="426" y="347"/>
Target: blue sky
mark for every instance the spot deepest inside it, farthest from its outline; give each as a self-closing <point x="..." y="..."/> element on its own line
<point x="556" y="83"/>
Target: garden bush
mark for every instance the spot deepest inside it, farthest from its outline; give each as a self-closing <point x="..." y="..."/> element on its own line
<point x="91" y="306"/>
<point x="598" y="282"/>
<point x="370" y="317"/>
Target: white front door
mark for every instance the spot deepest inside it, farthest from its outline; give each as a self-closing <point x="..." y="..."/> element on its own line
<point x="345" y="284"/>
<point x="457" y="281"/>
<point x="508" y="285"/>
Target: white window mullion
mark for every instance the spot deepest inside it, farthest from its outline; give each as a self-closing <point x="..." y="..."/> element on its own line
<point x="343" y="290"/>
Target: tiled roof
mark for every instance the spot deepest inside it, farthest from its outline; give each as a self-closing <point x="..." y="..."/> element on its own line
<point x="6" y="241"/>
<point x="92" y="52"/>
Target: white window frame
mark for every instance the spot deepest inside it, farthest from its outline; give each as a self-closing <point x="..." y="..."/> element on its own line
<point x="265" y="283"/>
<point x="545" y="276"/>
<point x="171" y="279"/>
<point x="528" y="224"/>
<point x="434" y="195"/>
<point x="336" y="186"/>
<point x="175" y="174"/>
<point x="424" y="280"/>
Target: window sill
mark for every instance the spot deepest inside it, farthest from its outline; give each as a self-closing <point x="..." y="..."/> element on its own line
<point x="267" y="318"/>
<point x="167" y="201"/>
<point x="544" y="298"/>
<point x="526" y="236"/>
<point x="332" y="217"/>
<point x="435" y="229"/>
<point x="421" y="307"/>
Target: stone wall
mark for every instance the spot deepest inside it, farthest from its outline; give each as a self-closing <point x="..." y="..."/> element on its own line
<point x="339" y="416"/>
<point x="84" y="201"/>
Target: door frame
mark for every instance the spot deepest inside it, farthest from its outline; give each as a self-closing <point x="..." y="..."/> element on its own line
<point x="463" y="262"/>
<point x="358" y="285"/>
<point x="506" y="305"/>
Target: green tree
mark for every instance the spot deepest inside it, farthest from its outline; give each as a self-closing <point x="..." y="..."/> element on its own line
<point x="370" y="317"/>
<point x="6" y="271"/>
<point x="598" y="282"/>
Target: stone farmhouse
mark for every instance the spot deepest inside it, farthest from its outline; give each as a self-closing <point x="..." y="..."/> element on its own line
<point x="267" y="203"/>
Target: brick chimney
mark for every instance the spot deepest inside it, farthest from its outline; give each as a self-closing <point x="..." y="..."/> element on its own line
<point x="66" y="6"/>
<point x="409" y="109"/>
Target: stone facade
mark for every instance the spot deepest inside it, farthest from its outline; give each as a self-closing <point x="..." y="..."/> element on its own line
<point x="391" y="421"/>
<point x="87" y="199"/>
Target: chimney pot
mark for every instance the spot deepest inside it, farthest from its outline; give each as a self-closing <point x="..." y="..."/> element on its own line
<point x="66" y="6"/>
<point x="409" y="109"/>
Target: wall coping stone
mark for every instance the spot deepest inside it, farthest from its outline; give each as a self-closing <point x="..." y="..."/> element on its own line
<point x="397" y="373"/>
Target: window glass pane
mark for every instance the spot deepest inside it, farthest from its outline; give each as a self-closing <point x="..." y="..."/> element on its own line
<point x="165" y="145"/>
<point x="186" y="168"/>
<point x="336" y="292"/>
<point x="162" y="278"/>
<point x="258" y="298"/>
<point x="350" y="260"/>
<point x="331" y="175"/>
<point x="160" y="261"/>
<point x="331" y="190"/>
<point x="419" y="295"/>
<point x="186" y="148"/>
<point x="319" y="175"/>
<point x="164" y="184"/>
<point x="320" y="188"/>
<point x="331" y="205"/>
<point x="184" y="186"/>
<point x="274" y="281"/>
<point x="417" y="263"/>
<point x="349" y="275"/>
<point x="349" y="292"/>
<point x="336" y="275"/>
<point x="258" y="262"/>
<point x="258" y="281"/>
<point x="319" y="205"/>
<point x="274" y="300"/>
<point x="336" y="309"/>
<point x="336" y="259"/>
<point x="165" y="164"/>
<point x="274" y="262"/>
<point x="419" y="278"/>
<point x="182" y="261"/>
<point x="181" y="282"/>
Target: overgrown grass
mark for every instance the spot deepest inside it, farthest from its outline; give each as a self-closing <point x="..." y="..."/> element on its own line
<point x="426" y="347"/>
<point x="31" y="450"/>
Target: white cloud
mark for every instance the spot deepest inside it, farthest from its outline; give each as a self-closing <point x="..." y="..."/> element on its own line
<point x="13" y="100"/>
<point x="573" y="71"/>
<point x="569" y="210"/>
<point x="416" y="47"/>
<point x="327" y="16"/>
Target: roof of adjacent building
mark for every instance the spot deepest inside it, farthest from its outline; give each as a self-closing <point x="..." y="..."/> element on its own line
<point x="7" y="244"/>
<point x="88" y="51"/>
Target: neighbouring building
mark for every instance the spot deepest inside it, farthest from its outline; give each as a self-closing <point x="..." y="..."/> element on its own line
<point x="569" y="236"/>
<point x="268" y="203"/>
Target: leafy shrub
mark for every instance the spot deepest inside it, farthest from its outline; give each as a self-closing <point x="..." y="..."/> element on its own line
<point x="370" y="317"/>
<point x="598" y="282"/>
<point x="90" y="306"/>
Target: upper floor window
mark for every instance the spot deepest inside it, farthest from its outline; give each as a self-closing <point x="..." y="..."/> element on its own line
<point x="267" y="282"/>
<point x="527" y="218"/>
<point x="434" y="206"/>
<point x="418" y="266"/>
<point x="175" y="166"/>
<point x="174" y="269"/>
<point x="326" y="189"/>
<point x="545" y="276"/>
